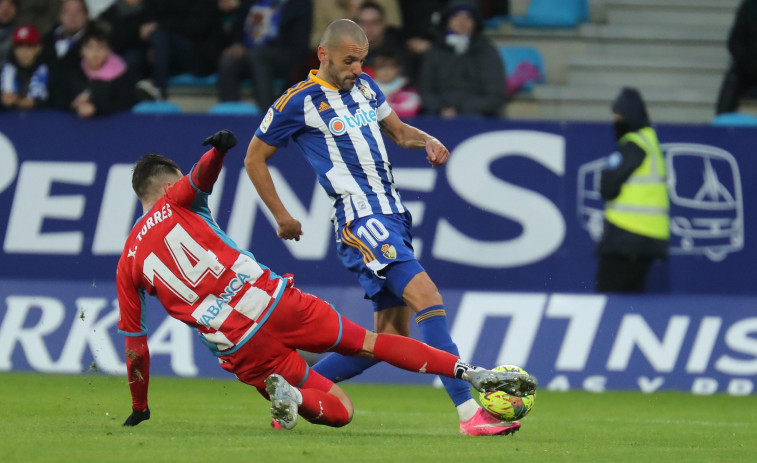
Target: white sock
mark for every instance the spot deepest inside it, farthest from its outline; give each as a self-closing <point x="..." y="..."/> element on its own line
<point x="467" y="409"/>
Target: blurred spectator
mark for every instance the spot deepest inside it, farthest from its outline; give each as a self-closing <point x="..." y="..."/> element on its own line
<point x="462" y="74"/>
<point x="634" y="187"/>
<point x="42" y="14"/>
<point x="421" y="27"/>
<point x="327" y="11"/>
<point x="184" y="36"/>
<point x="742" y="44"/>
<point x="125" y="19"/>
<point x="270" y="42"/>
<point x="62" y="51"/>
<point x="23" y="80"/>
<point x="394" y="85"/>
<point x="7" y="27"/>
<point x="232" y="13"/>
<point x="103" y="84"/>
<point x="381" y="37"/>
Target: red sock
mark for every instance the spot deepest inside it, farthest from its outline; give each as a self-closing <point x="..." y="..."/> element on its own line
<point x="413" y="355"/>
<point x="320" y="407"/>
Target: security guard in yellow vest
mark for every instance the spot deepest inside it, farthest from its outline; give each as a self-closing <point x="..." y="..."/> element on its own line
<point x="636" y="228"/>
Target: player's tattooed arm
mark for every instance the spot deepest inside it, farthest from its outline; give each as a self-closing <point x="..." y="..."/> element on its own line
<point x="387" y="131"/>
<point x="413" y="138"/>
<point x="402" y="134"/>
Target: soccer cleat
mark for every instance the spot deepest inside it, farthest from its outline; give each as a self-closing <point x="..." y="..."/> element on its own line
<point x="484" y="424"/>
<point x="513" y="383"/>
<point x="275" y="424"/>
<point x="283" y="401"/>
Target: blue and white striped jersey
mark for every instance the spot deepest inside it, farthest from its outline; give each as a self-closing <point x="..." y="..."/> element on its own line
<point x="339" y="134"/>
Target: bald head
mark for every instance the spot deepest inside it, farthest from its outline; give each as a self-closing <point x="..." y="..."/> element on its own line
<point x="342" y="29"/>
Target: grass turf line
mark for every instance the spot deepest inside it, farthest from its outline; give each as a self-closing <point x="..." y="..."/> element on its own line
<point x="51" y="418"/>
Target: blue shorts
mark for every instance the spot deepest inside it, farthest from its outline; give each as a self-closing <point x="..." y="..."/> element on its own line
<point x="379" y="250"/>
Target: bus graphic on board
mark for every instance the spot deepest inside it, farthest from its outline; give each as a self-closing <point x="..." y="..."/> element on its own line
<point x="706" y="204"/>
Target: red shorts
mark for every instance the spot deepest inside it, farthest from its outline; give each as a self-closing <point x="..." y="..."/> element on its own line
<point x="299" y="321"/>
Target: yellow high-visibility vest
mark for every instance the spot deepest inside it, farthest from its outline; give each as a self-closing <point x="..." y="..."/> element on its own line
<point x="642" y="207"/>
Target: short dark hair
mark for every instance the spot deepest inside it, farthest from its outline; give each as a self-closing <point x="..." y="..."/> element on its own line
<point x="98" y="32"/>
<point x="151" y="166"/>
<point x="386" y="56"/>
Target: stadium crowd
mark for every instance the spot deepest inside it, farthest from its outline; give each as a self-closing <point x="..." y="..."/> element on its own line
<point x="426" y="55"/>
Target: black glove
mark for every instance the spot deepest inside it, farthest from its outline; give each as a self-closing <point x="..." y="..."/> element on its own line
<point x="222" y="140"/>
<point x="136" y="416"/>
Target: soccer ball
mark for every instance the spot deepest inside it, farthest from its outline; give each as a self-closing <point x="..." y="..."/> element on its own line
<point x="504" y="406"/>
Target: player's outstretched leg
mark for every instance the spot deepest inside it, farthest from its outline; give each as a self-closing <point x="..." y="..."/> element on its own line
<point x="510" y="382"/>
<point x="413" y="355"/>
<point x="284" y="401"/>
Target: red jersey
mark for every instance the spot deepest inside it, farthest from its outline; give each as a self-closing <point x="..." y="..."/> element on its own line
<point x="177" y="252"/>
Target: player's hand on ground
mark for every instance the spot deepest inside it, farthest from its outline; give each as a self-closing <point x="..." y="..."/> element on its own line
<point x="223" y="140"/>
<point x="436" y="153"/>
<point x="290" y="229"/>
<point x="137" y="417"/>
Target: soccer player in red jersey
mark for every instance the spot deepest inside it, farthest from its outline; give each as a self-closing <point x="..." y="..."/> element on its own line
<point x="249" y="317"/>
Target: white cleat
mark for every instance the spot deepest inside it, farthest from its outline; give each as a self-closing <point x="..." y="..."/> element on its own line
<point x="283" y="401"/>
<point x="513" y="383"/>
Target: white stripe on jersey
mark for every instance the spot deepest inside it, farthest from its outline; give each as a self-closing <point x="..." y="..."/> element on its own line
<point x="361" y="147"/>
<point x="279" y="289"/>
<point x="253" y="303"/>
<point x="340" y="178"/>
<point x="245" y="264"/>
<point x="376" y="131"/>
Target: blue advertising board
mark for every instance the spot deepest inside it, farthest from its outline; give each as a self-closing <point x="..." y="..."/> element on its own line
<point x="511" y="219"/>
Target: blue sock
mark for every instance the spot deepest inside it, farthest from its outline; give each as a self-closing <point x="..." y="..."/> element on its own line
<point x="338" y="367"/>
<point x="433" y="324"/>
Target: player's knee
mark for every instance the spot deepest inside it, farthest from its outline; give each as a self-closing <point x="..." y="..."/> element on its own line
<point x="344" y="418"/>
<point x="422" y="293"/>
<point x="394" y="320"/>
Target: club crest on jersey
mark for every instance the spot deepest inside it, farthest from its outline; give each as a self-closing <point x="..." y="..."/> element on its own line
<point x="389" y="251"/>
<point x="339" y="125"/>
<point x="367" y="92"/>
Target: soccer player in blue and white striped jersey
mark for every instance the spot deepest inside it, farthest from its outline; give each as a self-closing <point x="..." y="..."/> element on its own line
<point x="336" y="116"/>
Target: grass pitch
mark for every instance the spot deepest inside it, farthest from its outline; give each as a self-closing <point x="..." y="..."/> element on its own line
<point x="55" y="418"/>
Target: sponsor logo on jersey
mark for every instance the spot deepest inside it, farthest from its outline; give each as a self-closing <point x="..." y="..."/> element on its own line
<point x="267" y="121"/>
<point x="340" y="125"/>
<point x="231" y="290"/>
<point x="323" y="107"/>
<point x="389" y="251"/>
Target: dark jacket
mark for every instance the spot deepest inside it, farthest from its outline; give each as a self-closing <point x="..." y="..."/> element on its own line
<point x="742" y="41"/>
<point x="197" y="20"/>
<point x="125" y="24"/>
<point x="61" y="67"/>
<point x="616" y="240"/>
<point x="473" y="82"/>
<point x="113" y="96"/>
<point x="107" y="96"/>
